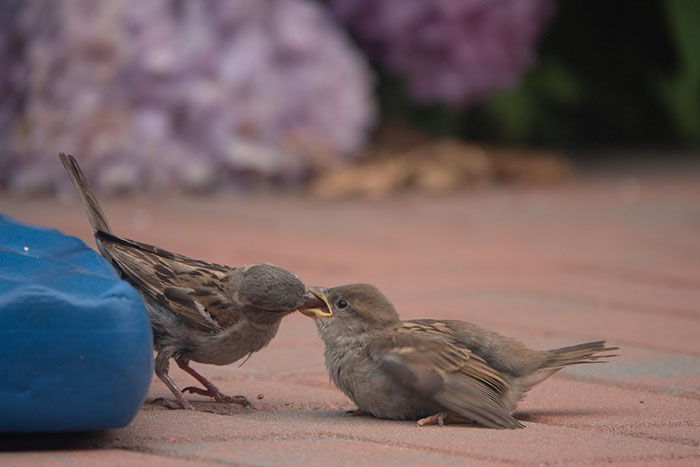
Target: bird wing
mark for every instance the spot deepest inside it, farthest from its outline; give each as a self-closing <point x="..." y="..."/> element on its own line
<point x="428" y="361"/>
<point x="191" y="288"/>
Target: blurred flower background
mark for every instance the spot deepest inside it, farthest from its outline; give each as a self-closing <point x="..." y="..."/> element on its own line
<point x="211" y="94"/>
<point x="168" y="93"/>
<point x="452" y="52"/>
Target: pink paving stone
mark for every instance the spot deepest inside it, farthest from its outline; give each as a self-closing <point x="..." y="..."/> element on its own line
<point x="324" y="451"/>
<point x="90" y="458"/>
<point x="552" y="267"/>
<point x="538" y="442"/>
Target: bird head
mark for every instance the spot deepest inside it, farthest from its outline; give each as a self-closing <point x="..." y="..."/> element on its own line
<point x="348" y="310"/>
<point x="271" y="288"/>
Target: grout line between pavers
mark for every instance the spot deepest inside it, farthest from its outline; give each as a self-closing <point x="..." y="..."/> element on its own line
<point x="619" y="305"/>
<point x="637" y="387"/>
<point x="302" y="435"/>
<point x="411" y="447"/>
<point x="327" y="434"/>
<point x="165" y="454"/>
<point x="316" y="436"/>
<point x="664" y="439"/>
<point x="639" y="459"/>
<point x="627" y="275"/>
<point x="676" y="440"/>
<point x="615" y="305"/>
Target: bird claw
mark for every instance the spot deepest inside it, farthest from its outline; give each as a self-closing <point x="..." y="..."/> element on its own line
<point x="441" y="419"/>
<point x="218" y="396"/>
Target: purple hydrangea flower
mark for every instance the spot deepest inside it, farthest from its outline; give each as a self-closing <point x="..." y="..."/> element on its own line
<point x="450" y="51"/>
<point x="164" y="93"/>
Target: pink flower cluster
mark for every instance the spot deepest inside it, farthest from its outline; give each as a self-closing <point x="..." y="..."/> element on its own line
<point x="449" y="51"/>
<point x="163" y="93"/>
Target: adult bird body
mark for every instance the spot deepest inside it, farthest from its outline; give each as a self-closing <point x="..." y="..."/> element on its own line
<point x="199" y="311"/>
<point x="431" y="370"/>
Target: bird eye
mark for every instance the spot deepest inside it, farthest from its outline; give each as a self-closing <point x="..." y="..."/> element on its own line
<point x="341" y="304"/>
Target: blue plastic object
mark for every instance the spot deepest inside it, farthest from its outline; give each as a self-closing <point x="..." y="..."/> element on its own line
<point x="75" y="341"/>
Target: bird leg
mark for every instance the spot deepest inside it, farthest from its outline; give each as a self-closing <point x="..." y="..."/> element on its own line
<point x="162" y="367"/>
<point x="211" y="390"/>
<point x="441" y="419"/>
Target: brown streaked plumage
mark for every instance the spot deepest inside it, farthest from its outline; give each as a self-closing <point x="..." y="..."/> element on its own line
<point x="199" y="311"/>
<point x="435" y="371"/>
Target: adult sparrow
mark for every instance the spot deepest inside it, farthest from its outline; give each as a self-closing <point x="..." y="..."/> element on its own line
<point x="199" y="311"/>
<point x="435" y="371"/>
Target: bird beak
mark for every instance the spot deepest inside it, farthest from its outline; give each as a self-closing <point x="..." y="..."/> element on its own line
<point x="316" y="304"/>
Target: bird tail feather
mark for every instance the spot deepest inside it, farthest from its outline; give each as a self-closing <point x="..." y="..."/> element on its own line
<point x="589" y="352"/>
<point x="97" y="219"/>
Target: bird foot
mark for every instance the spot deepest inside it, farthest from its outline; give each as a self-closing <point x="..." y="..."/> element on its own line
<point x="173" y="405"/>
<point x="356" y="413"/>
<point x="441" y="419"/>
<point x="218" y="396"/>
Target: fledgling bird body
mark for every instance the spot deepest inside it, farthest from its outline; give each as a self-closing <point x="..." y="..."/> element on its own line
<point x="432" y="370"/>
<point x="199" y="311"/>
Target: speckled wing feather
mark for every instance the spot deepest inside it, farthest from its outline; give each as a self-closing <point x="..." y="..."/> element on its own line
<point x="192" y="288"/>
<point x="450" y="375"/>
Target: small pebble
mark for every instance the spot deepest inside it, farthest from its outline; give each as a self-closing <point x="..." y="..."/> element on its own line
<point x="641" y="402"/>
<point x="260" y="396"/>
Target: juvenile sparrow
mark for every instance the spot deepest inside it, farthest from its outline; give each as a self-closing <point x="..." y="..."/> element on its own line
<point x="435" y="371"/>
<point x="199" y="311"/>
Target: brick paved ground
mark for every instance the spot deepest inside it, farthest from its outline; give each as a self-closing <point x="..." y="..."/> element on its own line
<point x="613" y="258"/>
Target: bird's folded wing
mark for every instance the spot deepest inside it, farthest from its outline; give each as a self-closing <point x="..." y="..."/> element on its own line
<point x="192" y="288"/>
<point x="450" y="375"/>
